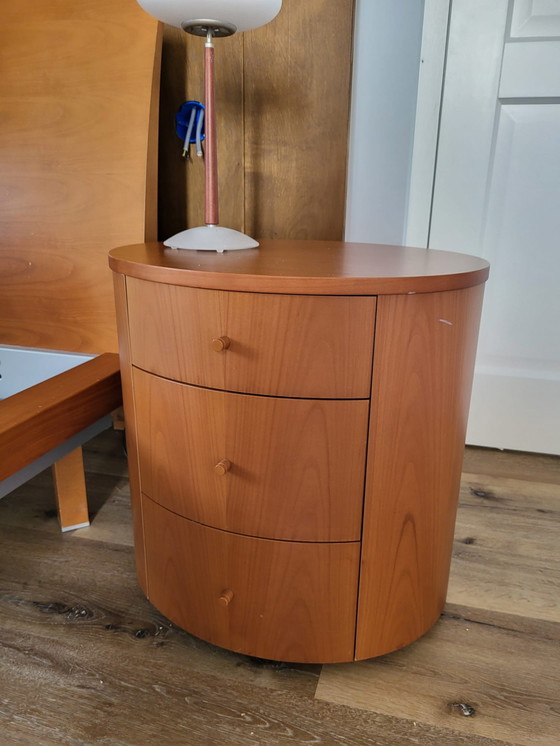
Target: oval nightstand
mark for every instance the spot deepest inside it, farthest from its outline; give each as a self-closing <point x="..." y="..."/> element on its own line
<point x="296" y="417"/>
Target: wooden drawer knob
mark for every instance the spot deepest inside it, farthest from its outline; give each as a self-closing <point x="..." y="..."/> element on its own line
<point x="226" y="597"/>
<point x="219" y="344"/>
<point x="222" y="467"/>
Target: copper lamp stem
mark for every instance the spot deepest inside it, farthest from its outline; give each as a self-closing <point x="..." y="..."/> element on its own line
<point x="211" y="214"/>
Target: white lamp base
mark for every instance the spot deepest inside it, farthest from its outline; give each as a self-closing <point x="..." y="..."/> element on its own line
<point x="211" y="238"/>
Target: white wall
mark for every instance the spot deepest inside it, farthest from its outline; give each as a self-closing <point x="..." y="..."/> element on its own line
<point x="387" y="43"/>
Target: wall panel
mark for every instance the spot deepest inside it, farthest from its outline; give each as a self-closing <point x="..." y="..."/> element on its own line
<point x="283" y="108"/>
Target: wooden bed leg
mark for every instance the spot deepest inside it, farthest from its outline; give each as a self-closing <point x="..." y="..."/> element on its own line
<point x="70" y="486"/>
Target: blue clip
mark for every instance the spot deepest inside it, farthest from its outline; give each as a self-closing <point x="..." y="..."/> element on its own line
<point x="189" y="126"/>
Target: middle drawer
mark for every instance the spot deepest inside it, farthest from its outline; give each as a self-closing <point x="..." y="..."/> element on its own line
<point x="288" y="469"/>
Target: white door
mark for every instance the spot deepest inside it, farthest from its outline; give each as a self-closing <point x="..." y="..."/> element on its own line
<point x="496" y="194"/>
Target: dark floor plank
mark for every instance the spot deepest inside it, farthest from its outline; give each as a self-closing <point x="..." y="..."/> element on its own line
<point x="480" y="679"/>
<point x="507" y="493"/>
<point x="77" y="695"/>
<point x="106" y="454"/>
<point x="89" y="588"/>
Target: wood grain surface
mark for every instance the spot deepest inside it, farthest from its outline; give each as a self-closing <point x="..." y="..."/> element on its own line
<point x="43" y="416"/>
<point x="172" y="172"/>
<point x="120" y="290"/>
<point x="529" y="467"/>
<point x="296" y="121"/>
<point x="70" y="486"/>
<point x="86" y="660"/>
<point x="308" y="347"/>
<point x="282" y="124"/>
<point x="423" y="364"/>
<point x="511" y="525"/>
<point x="78" y="82"/>
<point x="295" y="467"/>
<point x="280" y="345"/>
<point x="275" y="599"/>
<point x="306" y="268"/>
<point x="483" y="680"/>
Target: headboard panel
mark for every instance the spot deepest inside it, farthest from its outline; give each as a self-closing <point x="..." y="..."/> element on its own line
<point x="79" y="89"/>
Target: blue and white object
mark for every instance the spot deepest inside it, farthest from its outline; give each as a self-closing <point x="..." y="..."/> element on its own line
<point x="189" y="126"/>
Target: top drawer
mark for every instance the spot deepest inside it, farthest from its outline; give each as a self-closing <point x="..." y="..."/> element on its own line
<point x="279" y="345"/>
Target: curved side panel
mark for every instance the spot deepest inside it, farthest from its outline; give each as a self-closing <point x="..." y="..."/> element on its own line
<point x="422" y="378"/>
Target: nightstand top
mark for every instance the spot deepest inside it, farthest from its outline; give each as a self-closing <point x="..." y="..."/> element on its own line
<point x="305" y="267"/>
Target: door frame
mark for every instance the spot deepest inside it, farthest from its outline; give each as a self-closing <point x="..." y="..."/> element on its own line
<point x="431" y="78"/>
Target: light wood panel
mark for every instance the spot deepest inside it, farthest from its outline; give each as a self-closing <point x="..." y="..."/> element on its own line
<point x="296" y="467"/>
<point x="280" y="345"/>
<point x="423" y="365"/>
<point x="305" y="268"/>
<point x="275" y="599"/>
<point x="282" y="124"/>
<point x="42" y="417"/>
<point x="78" y="82"/>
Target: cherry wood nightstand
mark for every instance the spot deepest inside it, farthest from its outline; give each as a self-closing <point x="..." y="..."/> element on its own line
<point x="295" y="419"/>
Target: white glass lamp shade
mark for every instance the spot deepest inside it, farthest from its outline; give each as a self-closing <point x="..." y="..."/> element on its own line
<point x="243" y="14"/>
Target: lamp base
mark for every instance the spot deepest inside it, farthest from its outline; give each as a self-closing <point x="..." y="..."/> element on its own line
<point x="211" y="238"/>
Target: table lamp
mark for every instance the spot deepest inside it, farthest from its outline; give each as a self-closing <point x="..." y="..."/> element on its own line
<point x="212" y="19"/>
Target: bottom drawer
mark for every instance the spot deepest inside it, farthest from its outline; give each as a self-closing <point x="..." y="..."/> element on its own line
<point x="290" y="601"/>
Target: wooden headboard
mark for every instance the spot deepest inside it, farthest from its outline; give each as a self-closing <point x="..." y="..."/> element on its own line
<point x="79" y="89"/>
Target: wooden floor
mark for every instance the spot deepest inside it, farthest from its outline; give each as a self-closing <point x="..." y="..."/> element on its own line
<point x="85" y="659"/>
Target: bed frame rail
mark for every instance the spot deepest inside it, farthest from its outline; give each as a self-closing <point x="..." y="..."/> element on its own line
<point x="37" y="420"/>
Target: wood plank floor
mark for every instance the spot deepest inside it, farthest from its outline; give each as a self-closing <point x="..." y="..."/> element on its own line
<point x="86" y="660"/>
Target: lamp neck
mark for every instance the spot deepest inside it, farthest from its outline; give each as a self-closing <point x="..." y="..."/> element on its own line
<point x="211" y="152"/>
